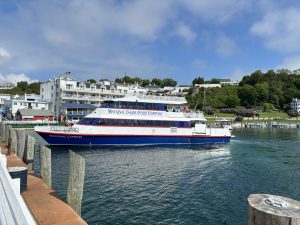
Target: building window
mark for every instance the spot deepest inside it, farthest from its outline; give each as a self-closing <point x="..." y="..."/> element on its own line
<point x="69" y="86"/>
<point x="52" y="87"/>
<point x="15" y="103"/>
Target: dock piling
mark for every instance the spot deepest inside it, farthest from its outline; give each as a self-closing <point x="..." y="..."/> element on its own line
<point x="265" y="209"/>
<point x="13" y="141"/>
<point x="76" y="181"/>
<point x="21" y="139"/>
<point x="29" y="151"/>
<point x="45" y="163"/>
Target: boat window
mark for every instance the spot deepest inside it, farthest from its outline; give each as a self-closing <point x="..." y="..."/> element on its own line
<point x="200" y="122"/>
<point x="87" y="121"/>
<point x="140" y="105"/>
<point x="172" y="123"/>
<point x="123" y="105"/>
<point x="155" y="106"/>
<point x="141" y="123"/>
<point x="148" y="106"/>
<point x="193" y="123"/>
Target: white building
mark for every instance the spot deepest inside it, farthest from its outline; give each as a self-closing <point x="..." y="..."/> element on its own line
<point x="65" y="89"/>
<point x="4" y="98"/>
<point x="228" y="82"/>
<point x="208" y="85"/>
<point x="181" y="89"/>
<point x="27" y="101"/>
<point x="295" y="105"/>
<point x="8" y="85"/>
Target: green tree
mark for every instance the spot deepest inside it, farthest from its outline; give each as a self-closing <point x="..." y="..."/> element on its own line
<point x="214" y="81"/>
<point x="247" y="95"/>
<point x="92" y="81"/>
<point x="198" y="80"/>
<point x="145" y="83"/>
<point x="157" y="81"/>
<point x="23" y="85"/>
<point x="268" y="107"/>
<point x="232" y="101"/>
<point x="262" y="90"/>
<point x="169" y="82"/>
<point x="34" y="88"/>
<point x="137" y="80"/>
<point x="127" y="79"/>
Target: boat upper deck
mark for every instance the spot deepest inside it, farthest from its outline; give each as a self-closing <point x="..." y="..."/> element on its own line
<point x="170" y="100"/>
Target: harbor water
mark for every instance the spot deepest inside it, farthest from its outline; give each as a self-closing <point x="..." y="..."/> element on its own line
<point x="206" y="185"/>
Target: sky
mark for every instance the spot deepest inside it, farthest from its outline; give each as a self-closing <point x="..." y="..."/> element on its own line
<point x="180" y="39"/>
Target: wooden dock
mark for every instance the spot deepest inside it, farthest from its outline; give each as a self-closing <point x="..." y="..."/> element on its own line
<point x="45" y="206"/>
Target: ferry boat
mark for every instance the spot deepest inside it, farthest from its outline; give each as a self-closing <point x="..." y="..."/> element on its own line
<point x="138" y="120"/>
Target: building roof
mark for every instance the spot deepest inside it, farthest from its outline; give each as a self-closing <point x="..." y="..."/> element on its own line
<point x="35" y="112"/>
<point x="78" y="106"/>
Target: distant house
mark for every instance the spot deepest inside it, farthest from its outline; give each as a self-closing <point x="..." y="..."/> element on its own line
<point x="295" y="105"/>
<point x="208" y="85"/>
<point x="34" y="115"/>
<point x="227" y="81"/>
<point x="27" y="101"/>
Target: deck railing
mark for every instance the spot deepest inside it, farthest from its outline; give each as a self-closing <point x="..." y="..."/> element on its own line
<point x="28" y="122"/>
<point x="13" y="210"/>
<point x="162" y="98"/>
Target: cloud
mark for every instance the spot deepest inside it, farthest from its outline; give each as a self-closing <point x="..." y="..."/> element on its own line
<point x="85" y="36"/>
<point x="185" y="32"/>
<point x="4" y="56"/>
<point x="14" y="78"/>
<point x="217" y="11"/>
<point x="290" y="63"/>
<point x="225" y="46"/>
<point x="279" y="30"/>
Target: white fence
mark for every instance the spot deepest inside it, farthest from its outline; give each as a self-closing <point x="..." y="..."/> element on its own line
<point x="13" y="210"/>
<point x="29" y="122"/>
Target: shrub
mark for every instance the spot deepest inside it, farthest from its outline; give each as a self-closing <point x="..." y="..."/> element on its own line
<point x="239" y="118"/>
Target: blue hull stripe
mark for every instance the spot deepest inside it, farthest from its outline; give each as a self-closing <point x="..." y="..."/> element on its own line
<point x="61" y="139"/>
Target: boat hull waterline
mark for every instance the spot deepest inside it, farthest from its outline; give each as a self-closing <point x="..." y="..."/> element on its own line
<point x="79" y="139"/>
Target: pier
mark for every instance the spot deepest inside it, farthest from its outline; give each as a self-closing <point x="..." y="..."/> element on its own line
<point x="38" y="204"/>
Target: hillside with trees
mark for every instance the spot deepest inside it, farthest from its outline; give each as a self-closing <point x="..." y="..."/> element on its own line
<point x="273" y="90"/>
<point x="22" y="88"/>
